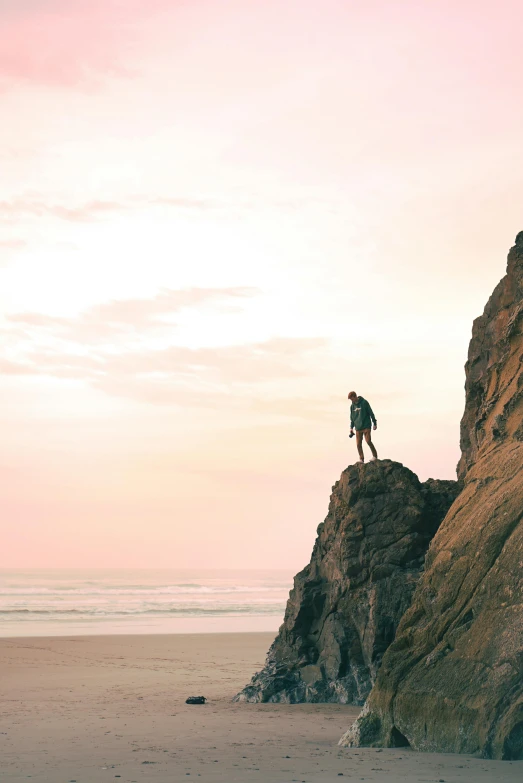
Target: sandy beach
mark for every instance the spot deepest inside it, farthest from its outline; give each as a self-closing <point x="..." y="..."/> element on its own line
<point x="106" y="708"/>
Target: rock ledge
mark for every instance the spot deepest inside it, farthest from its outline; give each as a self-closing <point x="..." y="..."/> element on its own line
<point x="347" y="603"/>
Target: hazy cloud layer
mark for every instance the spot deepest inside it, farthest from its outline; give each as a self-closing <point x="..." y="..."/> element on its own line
<point x="82" y="348"/>
<point x="12" y="211"/>
<point x="12" y="244"/>
<point x="69" y="43"/>
<point x="127" y="317"/>
<point x="8" y="248"/>
<point x="178" y="375"/>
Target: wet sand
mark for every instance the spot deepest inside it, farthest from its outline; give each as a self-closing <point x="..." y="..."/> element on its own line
<point x="112" y="708"/>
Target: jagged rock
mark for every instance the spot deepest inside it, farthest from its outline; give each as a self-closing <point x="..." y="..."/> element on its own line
<point x="346" y="604"/>
<point x="453" y="678"/>
<point x="494" y="384"/>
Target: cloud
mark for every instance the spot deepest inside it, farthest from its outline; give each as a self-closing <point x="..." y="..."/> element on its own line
<point x="249" y="363"/>
<point x="11" y="211"/>
<point x="181" y="376"/>
<point x="35" y="206"/>
<point x="108" y="321"/>
<point x="69" y="43"/>
<point x="324" y="409"/>
<point x="181" y="203"/>
<point x="223" y="378"/>
<point x="8" y="247"/>
<point x="43" y="43"/>
<point x="14" y="210"/>
<point x="113" y="347"/>
<point x="246" y="363"/>
<point x="12" y="244"/>
<point x="8" y="367"/>
<point x="84" y="348"/>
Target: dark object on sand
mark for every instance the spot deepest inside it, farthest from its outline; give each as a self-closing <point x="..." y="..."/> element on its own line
<point x="196" y="700"/>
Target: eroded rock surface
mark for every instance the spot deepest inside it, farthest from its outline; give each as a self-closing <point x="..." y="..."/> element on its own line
<point x="453" y="678"/>
<point x="346" y="604"/>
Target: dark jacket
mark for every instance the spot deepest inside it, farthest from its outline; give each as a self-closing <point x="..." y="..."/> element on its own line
<point x="361" y="415"/>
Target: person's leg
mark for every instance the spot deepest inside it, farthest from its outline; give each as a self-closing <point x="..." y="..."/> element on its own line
<point x="370" y="444"/>
<point x="359" y="441"/>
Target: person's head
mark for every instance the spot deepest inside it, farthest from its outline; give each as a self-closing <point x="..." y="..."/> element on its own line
<point x="353" y="396"/>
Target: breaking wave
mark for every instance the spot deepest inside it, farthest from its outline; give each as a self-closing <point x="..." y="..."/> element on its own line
<point x="76" y="597"/>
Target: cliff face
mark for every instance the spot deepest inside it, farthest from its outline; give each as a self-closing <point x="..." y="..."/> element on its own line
<point x="453" y="678"/>
<point x="494" y="385"/>
<point x="346" y="604"/>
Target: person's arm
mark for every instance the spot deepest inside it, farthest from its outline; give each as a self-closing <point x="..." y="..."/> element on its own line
<point x="372" y="416"/>
<point x="351" y="418"/>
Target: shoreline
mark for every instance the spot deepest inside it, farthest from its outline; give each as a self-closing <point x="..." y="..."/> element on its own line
<point x="138" y="635"/>
<point x="130" y="634"/>
<point x="151" y="627"/>
<point x="96" y="708"/>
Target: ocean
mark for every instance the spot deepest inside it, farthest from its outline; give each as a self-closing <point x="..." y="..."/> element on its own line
<point x="79" y="602"/>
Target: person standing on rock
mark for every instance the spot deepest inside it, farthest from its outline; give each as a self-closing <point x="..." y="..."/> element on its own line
<point x="361" y="417"/>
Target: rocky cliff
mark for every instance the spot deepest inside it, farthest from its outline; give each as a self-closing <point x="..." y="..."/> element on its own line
<point x="347" y="603"/>
<point x="452" y="680"/>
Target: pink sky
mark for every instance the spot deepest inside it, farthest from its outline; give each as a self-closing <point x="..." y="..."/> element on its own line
<point x="216" y="218"/>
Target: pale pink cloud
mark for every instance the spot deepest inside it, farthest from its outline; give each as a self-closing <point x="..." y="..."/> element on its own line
<point x="123" y="317"/>
<point x="70" y="42"/>
<point x="248" y="363"/>
<point x="251" y="363"/>
<point x="179" y="375"/>
<point x="12" y="244"/>
<point x="8" y="248"/>
<point x="8" y="367"/>
<point x="174" y="375"/>
<point x="13" y="211"/>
